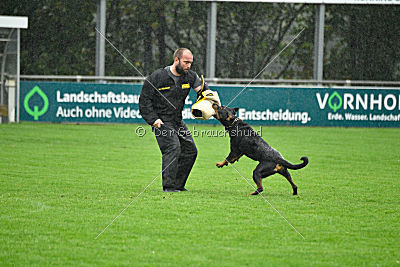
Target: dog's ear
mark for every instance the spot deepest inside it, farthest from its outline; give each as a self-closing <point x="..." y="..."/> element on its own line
<point x="215" y="107"/>
<point x="236" y="110"/>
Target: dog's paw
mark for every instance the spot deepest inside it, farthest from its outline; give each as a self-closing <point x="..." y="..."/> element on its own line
<point x="221" y="164"/>
<point x="295" y="191"/>
<point x="258" y="191"/>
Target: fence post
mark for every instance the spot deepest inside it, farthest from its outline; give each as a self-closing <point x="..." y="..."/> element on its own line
<point x="100" y="42"/>
<point x="319" y="42"/>
<point x="212" y="32"/>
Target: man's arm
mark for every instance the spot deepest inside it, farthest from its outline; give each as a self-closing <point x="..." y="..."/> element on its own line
<point x="203" y="91"/>
<point x="197" y="89"/>
<point x="202" y="87"/>
<point x="146" y="105"/>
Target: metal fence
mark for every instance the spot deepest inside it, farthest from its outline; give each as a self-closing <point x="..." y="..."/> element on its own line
<point x="138" y="79"/>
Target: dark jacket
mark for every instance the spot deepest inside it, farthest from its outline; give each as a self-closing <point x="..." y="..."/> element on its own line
<point x="162" y="99"/>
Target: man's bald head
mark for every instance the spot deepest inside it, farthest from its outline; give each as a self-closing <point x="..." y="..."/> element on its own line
<point x="181" y="51"/>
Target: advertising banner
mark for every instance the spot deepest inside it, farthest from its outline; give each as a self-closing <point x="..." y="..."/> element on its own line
<point x="79" y="102"/>
<point x="258" y="105"/>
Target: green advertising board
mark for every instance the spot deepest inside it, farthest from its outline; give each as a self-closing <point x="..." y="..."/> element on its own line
<point x="79" y="102"/>
<point x="258" y="105"/>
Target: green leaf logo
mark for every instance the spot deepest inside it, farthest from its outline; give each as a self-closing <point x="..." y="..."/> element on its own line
<point x="335" y="101"/>
<point x="35" y="113"/>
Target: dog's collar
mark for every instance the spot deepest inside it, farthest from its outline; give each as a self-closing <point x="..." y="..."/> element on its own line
<point x="233" y="123"/>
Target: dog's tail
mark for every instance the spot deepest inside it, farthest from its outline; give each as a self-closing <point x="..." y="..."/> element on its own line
<point x="289" y="165"/>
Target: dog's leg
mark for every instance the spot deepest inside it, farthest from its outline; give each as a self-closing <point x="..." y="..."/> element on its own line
<point x="235" y="159"/>
<point x="263" y="169"/>
<point x="285" y="173"/>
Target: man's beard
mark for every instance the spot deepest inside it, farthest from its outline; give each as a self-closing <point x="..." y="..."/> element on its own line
<point x="179" y="69"/>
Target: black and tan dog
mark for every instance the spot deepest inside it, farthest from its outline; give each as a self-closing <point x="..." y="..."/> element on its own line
<point x="245" y="141"/>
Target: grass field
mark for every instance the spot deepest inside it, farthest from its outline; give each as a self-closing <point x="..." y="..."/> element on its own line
<point x="60" y="185"/>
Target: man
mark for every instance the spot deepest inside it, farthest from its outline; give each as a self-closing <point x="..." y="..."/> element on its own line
<point x="161" y="103"/>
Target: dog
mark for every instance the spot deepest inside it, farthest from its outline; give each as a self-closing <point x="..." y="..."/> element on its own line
<point x="245" y="141"/>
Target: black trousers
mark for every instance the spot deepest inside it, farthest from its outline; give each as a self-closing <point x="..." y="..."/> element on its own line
<point x="178" y="151"/>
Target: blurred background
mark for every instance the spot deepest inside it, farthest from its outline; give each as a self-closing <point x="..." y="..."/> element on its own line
<point x="361" y="42"/>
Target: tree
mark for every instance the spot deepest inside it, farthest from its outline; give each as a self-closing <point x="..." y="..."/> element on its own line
<point x="365" y="43"/>
<point x="251" y="35"/>
<point x="361" y="42"/>
<point x="60" y="37"/>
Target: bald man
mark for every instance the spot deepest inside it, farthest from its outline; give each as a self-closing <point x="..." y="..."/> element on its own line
<point x="161" y="102"/>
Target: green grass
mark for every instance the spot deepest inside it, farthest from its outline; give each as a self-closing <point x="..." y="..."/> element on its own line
<point x="60" y="185"/>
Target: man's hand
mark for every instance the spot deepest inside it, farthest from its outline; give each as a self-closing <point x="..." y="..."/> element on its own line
<point x="222" y="164"/>
<point x="158" y="123"/>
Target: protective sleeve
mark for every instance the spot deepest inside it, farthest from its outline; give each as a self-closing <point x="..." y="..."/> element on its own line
<point x="145" y="103"/>
<point x="204" y="87"/>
